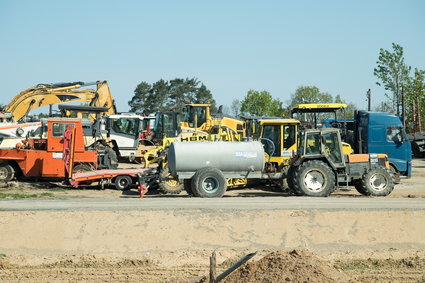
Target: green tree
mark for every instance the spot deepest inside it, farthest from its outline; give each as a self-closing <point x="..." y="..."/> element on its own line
<point x="261" y="103"/>
<point x="392" y="73"/>
<point x="166" y="95"/>
<point x="415" y="101"/>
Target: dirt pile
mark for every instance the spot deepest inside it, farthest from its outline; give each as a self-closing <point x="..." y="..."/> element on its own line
<point x="284" y="266"/>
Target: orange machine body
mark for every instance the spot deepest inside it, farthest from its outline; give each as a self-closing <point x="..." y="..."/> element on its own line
<point x="43" y="157"/>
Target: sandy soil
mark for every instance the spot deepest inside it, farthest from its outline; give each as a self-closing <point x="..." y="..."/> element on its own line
<point x="165" y="246"/>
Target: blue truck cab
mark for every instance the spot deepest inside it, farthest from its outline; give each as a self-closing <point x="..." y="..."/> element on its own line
<point x="379" y="132"/>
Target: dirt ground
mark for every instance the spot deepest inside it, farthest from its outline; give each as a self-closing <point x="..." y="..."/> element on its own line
<point x="49" y="246"/>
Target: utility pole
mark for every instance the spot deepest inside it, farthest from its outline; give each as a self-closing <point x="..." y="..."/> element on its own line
<point x="403" y="108"/>
<point x="368" y="100"/>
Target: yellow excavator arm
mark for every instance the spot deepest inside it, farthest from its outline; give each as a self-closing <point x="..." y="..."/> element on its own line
<point x="49" y="94"/>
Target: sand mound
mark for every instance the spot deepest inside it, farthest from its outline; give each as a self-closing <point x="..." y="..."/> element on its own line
<point x="284" y="266"/>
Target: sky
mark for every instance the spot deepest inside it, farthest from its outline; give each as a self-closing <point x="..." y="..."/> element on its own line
<point x="230" y="46"/>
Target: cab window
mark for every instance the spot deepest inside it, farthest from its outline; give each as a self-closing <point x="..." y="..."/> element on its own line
<point x="272" y="132"/>
<point x="395" y="134"/>
<point x="332" y="148"/>
<point x="289" y="136"/>
<point x="313" y="143"/>
<point x="58" y="129"/>
<point x="125" y="126"/>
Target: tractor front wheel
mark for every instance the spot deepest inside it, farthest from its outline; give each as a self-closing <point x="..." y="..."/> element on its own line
<point x="376" y="182"/>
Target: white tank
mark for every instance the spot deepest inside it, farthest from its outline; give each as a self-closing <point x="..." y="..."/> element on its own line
<point x="226" y="156"/>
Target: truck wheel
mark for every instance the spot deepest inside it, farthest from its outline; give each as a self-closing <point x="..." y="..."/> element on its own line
<point x="393" y="171"/>
<point x="6" y="172"/>
<point x="209" y="182"/>
<point x="123" y="182"/>
<point x="314" y="178"/>
<point x="377" y="182"/>
<point x="417" y="150"/>
<point x="169" y="184"/>
<point x="187" y="185"/>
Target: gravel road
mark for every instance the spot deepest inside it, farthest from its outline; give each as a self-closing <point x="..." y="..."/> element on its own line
<point x="227" y="203"/>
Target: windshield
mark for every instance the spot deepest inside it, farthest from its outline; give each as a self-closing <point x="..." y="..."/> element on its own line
<point x="128" y="126"/>
<point x="272" y="132"/>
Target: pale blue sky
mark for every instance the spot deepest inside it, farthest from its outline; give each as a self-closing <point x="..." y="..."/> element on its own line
<point x="231" y="46"/>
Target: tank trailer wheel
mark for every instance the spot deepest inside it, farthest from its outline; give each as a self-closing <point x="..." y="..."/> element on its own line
<point x="377" y="182"/>
<point x="314" y="178"/>
<point x="169" y="184"/>
<point x="209" y="182"/>
<point x="6" y="172"/>
<point x="123" y="182"/>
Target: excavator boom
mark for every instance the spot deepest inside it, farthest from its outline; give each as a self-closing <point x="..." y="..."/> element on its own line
<point x="49" y="94"/>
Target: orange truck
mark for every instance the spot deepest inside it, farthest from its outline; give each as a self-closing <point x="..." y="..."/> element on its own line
<point x="44" y="157"/>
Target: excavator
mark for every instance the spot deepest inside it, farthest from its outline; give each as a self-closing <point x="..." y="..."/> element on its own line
<point x="50" y="94"/>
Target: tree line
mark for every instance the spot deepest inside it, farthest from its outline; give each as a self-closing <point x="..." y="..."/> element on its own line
<point x="169" y="95"/>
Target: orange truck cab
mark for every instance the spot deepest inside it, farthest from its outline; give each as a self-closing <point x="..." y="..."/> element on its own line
<point x="43" y="157"/>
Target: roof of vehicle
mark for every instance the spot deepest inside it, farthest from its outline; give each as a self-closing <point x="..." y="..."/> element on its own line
<point x="318" y="107"/>
<point x="278" y="121"/>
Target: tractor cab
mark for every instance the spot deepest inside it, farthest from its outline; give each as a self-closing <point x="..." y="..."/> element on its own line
<point x="322" y="144"/>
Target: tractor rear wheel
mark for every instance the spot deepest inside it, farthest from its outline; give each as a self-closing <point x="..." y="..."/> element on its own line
<point x="6" y="172"/>
<point x="290" y="175"/>
<point x="209" y="182"/>
<point x="169" y="184"/>
<point x="314" y="178"/>
<point x="377" y="182"/>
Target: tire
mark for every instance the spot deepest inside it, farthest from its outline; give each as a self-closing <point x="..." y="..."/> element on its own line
<point x="314" y="178"/>
<point x="393" y="171"/>
<point x="377" y="182"/>
<point x="417" y="151"/>
<point x="209" y="182"/>
<point x="123" y="182"/>
<point x="168" y="184"/>
<point x="282" y="184"/>
<point x="359" y="187"/>
<point x="82" y="168"/>
<point x="187" y="185"/>
<point x="290" y="180"/>
<point x="7" y="173"/>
